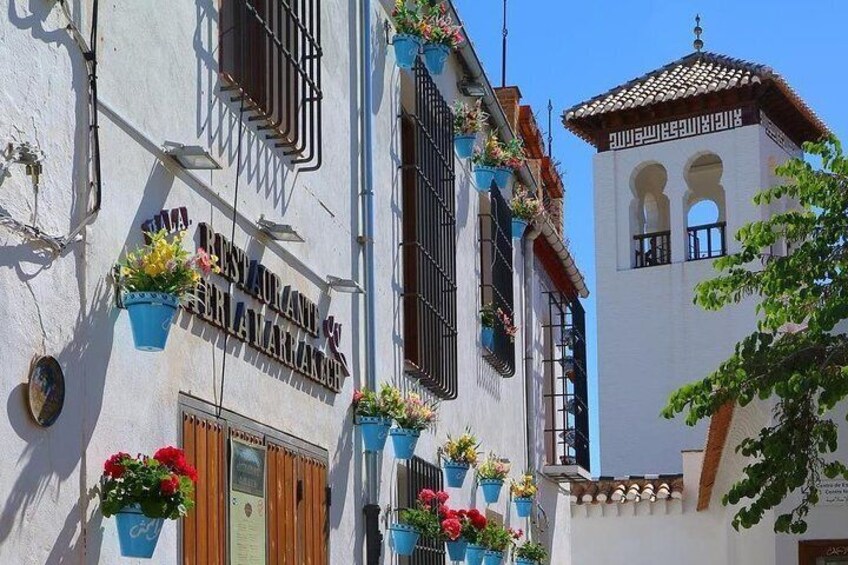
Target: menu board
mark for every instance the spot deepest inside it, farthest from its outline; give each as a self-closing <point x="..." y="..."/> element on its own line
<point x="247" y="504"/>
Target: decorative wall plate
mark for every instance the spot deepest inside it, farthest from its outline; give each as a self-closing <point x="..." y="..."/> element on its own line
<point x="46" y="390"/>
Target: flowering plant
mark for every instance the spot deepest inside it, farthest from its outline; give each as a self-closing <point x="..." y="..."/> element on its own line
<point x="495" y="537"/>
<point x="506" y="321"/>
<point x="437" y="26"/>
<point x="384" y="404"/>
<point x="164" y="266"/>
<point x="487" y="315"/>
<point x="407" y="20"/>
<point x="415" y="413"/>
<point x="462" y="449"/>
<point x="492" y="154"/>
<point x="525" y="487"/>
<point x="424" y="515"/>
<point x="532" y="551"/>
<point x="467" y="119"/>
<point x="493" y="468"/>
<point x="525" y="205"/>
<point x="162" y="485"/>
<point x="513" y="153"/>
<point x="473" y="524"/>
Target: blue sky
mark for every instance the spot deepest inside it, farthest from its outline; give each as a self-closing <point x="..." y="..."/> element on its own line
<point x="569" y="51"/>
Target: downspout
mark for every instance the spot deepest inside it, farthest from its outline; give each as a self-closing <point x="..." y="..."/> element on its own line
<point x="530" y="435"/>
<point x="373" y="537"/>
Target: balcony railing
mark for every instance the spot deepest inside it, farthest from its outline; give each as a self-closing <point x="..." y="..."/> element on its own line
<point x="653" y="249"/>
<point x="706" y="241"/>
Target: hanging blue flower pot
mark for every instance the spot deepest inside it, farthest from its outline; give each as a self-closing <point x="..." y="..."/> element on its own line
<point x="457" y="549"/>
<point x="406" y="49"/>
<point x="137" y="534"/>
<point x="518" y="227"/>
<point x="487" y="337"/>
<point x="493" y="557"/>
<point x="483" y="177"/>
<point x="491" y="489"/>
<point x="455" y="473"/>
<point x="464" y="145"/>
<point x="151" y="315"/>
<point x="404" y="442"/>
<point x="404" y="539"/>
<point x="474" y="554"/>
<point x="523" y="561"/>
<point x="523" y="507"/>
<point x="375" y="430"/>
<point x="435" y="57"/>
<point x="502" y="176"/>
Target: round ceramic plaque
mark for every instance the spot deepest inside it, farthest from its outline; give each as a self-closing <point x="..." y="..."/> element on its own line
<point x="46" y="391"/>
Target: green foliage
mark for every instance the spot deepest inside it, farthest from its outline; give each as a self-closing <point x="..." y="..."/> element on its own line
<point x="532" y="551"/>
<point x="495" y="537"/>
<point x="798" y="356"/>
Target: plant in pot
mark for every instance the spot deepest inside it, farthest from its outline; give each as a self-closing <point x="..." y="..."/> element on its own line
<point x="153" y="279"/>
<point x="413" y="523"/>
<point x="460" y="455"/>
<point x="412" y="417"/>
<point x="472" y="530"/>
<point x="486" y="162"/>
<point x="523" y="492"/>
<point x="407" y="40"/>
<point x="487" y="326"/>
<point x="525" y="207"/>
<point x="498" y="542"/>
<point x="490" y="476"/>
<point x="439" y="34"/>
<point x="450" y="531"/>
<point x="468" y="121"/>
<point x="141" y="492"/>
<point x="373" y="412"/>
<point x="512" y="159"/>
<point x="530" y="553"/>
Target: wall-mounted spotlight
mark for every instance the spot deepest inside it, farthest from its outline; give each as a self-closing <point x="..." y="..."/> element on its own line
<point x="348" y="286"/>
<point x="472" y="88"/>
<point x="279" y="232"/>
<point x="191" y="157"/>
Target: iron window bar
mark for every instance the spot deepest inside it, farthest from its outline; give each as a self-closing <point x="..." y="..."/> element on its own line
<point x="423" y="475"/>
<point x="496" y="281"/>
<point x="653" y="249"/>
<point x="565" y="396"/>
<point x="429" y="239"/>
<point x="270" y="56"/>
<point x="706" y="241"/>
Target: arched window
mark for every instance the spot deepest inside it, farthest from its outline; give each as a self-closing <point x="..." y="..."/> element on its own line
<point x="650" y="221"/>
<point x="704" y="206"/>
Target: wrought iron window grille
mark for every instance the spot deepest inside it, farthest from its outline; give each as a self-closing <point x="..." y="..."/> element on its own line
<point x="565" y="391"/>
<point x="653" y="249"/>
<point x="419" y="475"/>
<point x="706" y="241"/>
<point x="429" y="239"/>
<point x="270" y="59"/>
<point x="496" y="280"/>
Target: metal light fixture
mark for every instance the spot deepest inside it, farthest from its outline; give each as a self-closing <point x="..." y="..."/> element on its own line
<point x="348" y="286"/>
<point x="279" y="232"/>
<point x="472" y="88"/>
<point x="191" y="157"/>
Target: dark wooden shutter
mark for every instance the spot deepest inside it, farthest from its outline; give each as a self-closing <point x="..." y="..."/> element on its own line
<point x="282" y="505"/>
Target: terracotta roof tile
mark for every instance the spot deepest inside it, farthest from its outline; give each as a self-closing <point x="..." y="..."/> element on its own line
<point x="608" y="490"/>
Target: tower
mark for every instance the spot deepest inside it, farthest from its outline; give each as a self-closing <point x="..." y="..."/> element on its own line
<point x="681" y="151"/>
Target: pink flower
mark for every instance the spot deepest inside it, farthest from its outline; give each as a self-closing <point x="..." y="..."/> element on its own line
<point x="204" y="261"/>
<point x="452" y="528"/>
<point x="442" y="496"/>
<point x="426" y="496"/>
<point x="357" y="396"/>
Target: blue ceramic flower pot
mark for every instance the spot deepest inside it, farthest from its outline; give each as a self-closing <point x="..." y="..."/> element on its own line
<point x="404" y="539"/>
<point x="375" y="431"/>
<point x="493" y="558"/>
<point x="502" y="176"/>
<point x="523" y="507"/>
<point x="474" y="554"/>
<point x="435" y="57"/>
<point x="487" y="337"/>
<point x="151" y="315"/>
<point x="464" y="145"/>
<point x="457" y="549"/>
<point x="137" y="534"/>
<point x="522" y="561"/>
<point x="518" y="227"/>
<point x="404" y="442"/>
<point x="406" y="50"/>
<point x="483" y="177"/>
<point x="455" y="473"/>
<point x="491" y="489"/>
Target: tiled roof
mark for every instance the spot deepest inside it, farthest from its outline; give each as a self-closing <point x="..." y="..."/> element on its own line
<point x="607" y="490"/>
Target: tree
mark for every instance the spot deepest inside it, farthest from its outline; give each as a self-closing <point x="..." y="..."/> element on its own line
<point x="797" y="356"/>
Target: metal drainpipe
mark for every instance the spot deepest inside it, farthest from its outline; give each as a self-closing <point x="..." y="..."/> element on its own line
<point x="373" y="537"/>
<point x="529" y="239"/>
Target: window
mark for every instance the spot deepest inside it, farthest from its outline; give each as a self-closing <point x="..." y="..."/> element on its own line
<point x="271" y="59"/>
<point x="496" y="275"/>
<point x="417" y="475"/>
<point x="823" y="552"/>
<point x="429" y="239"/>
<point x="295" y="492"/>
<point x="650" y="217"/>
<point x="565" y="390"/>
<point x="705" y="216"/>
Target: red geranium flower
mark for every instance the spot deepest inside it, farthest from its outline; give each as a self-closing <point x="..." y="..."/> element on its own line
<point x="114" y="466"/>
<point x="174" y="459"/>
<point x="442" y="496"/>
<point x="452" y="528"/>
<point x="426" y="496"/>
<point x="170" y="485"/>
<point x="478" y="520"/>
